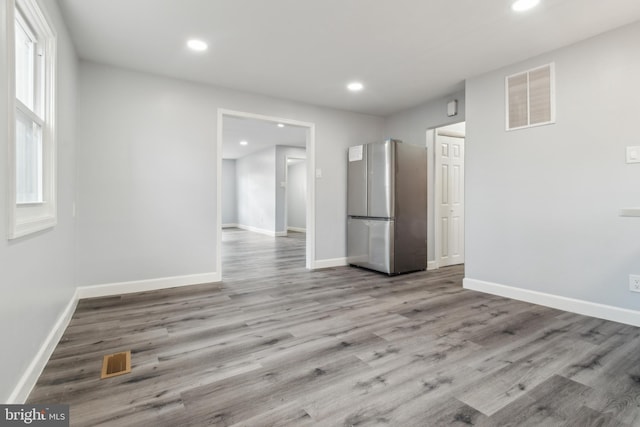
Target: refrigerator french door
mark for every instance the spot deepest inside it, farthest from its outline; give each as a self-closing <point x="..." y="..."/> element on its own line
<point x="371" y="243"/>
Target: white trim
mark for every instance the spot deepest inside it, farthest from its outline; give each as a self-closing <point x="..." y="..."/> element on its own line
<point x="218" y="163"/>
<point x="30" y="225"/>
<point x="437" y="196"/>
<point x="311" y="196"/>
<point x="311" y="180"/>
<point x="229" y="225"/>
<point x="432" y="140"/>
<point x="37" y="365"/>
<point x="286" y="192"/>
<point x="28" y="219"/>
<point x="297" y="229"/>
<point x="601" y="311"/>
<point x="120" y="288"/>
<point x="327" y="263"/>
<point x="432" y="265"/>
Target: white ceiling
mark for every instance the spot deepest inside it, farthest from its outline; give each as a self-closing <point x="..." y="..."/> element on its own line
<point x="259" y="135"/>
<point x="404" y="51"/>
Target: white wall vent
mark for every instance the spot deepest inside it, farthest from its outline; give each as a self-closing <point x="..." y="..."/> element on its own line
<point x="530" y="98"/>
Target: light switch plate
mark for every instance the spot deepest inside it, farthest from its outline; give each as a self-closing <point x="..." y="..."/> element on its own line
<point x="633" y="154"/>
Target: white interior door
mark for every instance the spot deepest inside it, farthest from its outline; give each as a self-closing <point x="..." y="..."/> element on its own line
<point x="449" y="149"/>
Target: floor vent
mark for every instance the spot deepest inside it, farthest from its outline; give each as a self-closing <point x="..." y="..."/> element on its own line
<point x="116" y="364"/>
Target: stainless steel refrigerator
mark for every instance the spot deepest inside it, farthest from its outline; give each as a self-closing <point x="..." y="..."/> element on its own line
<point x="387" y="207"/>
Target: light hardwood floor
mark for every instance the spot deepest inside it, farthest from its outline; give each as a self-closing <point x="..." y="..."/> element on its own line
<point x="274" y="344"/>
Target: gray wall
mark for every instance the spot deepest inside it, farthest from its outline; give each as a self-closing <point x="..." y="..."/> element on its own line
<point x="256" y="190"/>
<point x="259" y="193"/>
<point x="229" y="200"/>
<point x="148" y="151"/>
<point x="297" y="195"/>
<point x="281" y="193"/>
<point x="37" y="272"/>
<point x="411" y="127"/>
<point x="542" y="203"/>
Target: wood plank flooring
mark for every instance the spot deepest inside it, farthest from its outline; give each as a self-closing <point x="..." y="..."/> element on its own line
<point x="276" y="345"/>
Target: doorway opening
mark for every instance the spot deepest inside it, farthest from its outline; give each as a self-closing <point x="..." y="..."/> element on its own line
<point x="274" y="214"/>
<point x="295" y="207"/>
<point x="448" y="194"/>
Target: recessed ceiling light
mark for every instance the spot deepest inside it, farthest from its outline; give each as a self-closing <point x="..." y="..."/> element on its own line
<point x="280" y="125"/>
<point x="197" y="45"/>
<point x="522" y="5"/>
<point x="244" y="143"/>
<point x="355" y="86"/>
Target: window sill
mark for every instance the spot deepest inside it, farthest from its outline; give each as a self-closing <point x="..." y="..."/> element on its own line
<point x="31" y="226"/>
<point x="630" y="212"/>
<point x="20" y="204"/>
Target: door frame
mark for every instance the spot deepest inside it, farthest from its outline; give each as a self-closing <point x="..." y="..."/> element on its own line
<point x="432" y="139"/>
<point x="311" y="184"/>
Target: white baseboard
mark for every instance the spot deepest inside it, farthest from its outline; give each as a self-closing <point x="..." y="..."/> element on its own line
<point x="297" y="229"/>
<point x="327" y="263"/>
<point x="229" y="225"/>
<point x="262" y="230"/>
<point x="146" y="285"/>
<point x="432" y="265"/>
<point x="601" y="311"/>
<point x="30" y="376"/>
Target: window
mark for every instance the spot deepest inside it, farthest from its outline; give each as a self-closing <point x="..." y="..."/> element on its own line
<point x="530" y="98"/>
<point x="31" y="121"/>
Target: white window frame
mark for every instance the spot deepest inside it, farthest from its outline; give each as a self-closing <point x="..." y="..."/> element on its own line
<point x="28" y="218"/>
<point x="552" y="94"/>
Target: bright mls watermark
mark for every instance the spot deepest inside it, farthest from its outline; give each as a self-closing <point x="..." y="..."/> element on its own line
<point x="34" y="415"/>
